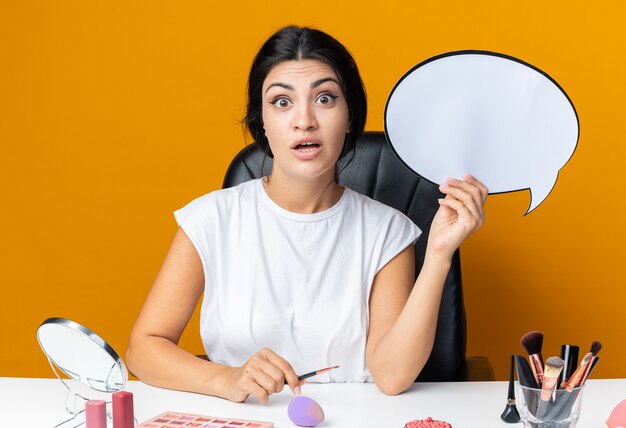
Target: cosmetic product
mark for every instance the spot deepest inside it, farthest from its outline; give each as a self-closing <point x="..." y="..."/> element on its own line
<point x="554" y="366"/>
<point x="305" y="412"/>
<point x="577" y="377"/>
<point x="315" y="373"/>
<point x="617" y="418"/>
<point x="532" y="343"/>
<point x="177" y="419"/>
<point x="524" y="373"/>
<point x="123" y="412"/>
<point x="593" y="365"/>
<point x="526" y="378"/>
<point x="510" y="414"/>
<point x="427" y="423"/>
<point x="569" y="355"/>
<point x="96" y="414"/>
<point x="595" y="348"/>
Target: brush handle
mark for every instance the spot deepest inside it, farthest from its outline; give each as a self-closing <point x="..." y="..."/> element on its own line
<point x="578" y="375"/>
<point x="511" y="395"/>
<point x="590" y="366"/>
<point x="569" y="355"/>
<point x="536" y="365"/>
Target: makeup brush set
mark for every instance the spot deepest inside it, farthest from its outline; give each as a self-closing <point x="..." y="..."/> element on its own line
<point x="550" y="390"/>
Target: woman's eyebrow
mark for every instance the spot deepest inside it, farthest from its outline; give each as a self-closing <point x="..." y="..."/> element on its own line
<point x="282" y="85"/>
<point x="313" y="85"/>
<point x="324" y="80"/>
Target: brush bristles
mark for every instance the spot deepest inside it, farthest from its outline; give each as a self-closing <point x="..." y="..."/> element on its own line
<point x="532" y="342"/>
<point x="553" y="368"/>
<point x="595" y="347"/>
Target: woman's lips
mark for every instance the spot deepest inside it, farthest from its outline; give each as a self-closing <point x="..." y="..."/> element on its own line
<point x="306" y="152"/>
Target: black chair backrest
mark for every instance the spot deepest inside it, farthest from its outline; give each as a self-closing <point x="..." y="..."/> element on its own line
<point x="375" y="171"/>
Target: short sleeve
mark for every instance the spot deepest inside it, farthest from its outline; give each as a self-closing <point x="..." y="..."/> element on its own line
<point x="399" y="233"/>
<point x="194" y="220"/>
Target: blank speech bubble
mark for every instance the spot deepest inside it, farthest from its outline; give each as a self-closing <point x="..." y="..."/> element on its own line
<point x="502" y="120"/>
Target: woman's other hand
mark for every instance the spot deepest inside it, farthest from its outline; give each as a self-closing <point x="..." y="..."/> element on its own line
<point x="262" y="375"/>
<point x="460" y="214"/>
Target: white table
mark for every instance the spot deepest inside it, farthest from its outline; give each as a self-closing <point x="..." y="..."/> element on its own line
<point x="463" y="404"/>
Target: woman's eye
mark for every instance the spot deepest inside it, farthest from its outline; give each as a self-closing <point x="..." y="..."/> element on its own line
<point x="326" y="99"/>
<point x="281" y="102"/>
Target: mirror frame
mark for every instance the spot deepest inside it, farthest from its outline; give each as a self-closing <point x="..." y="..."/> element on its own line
<point x="72" y="325"/>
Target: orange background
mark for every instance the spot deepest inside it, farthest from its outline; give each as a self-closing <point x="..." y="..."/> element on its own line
<point x="113" y="114"/>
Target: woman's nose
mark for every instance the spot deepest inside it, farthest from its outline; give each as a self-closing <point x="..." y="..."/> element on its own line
<point x="305" y="117"/>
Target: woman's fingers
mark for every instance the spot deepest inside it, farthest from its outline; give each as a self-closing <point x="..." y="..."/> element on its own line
<point x="258" y="392"/>
<point x="265" y="373"/>
<point x="476" y="182"/>
<point x="471" y="198"/>
<point x="464" y="197"/>
<point x="474" y="188"/>
<point x="286" y="371"/>
<point x="461" y="209"/>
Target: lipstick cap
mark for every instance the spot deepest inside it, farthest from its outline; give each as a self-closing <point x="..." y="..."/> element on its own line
<point x="95" y="414"/>
<point x="123" y="413"/>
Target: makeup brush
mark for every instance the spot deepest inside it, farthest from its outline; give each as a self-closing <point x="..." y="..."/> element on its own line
<point x="532" y="343"/>
<point x="569" y="355"/>
<point x="593" y="364"/>
<point x="510" y="414"/>
<point x="554" y="366"/>
<point x="315" y="373"/>
<point x="524" y="373"/>
<point x="577" y="377"/>
<point x="595" y="348"/>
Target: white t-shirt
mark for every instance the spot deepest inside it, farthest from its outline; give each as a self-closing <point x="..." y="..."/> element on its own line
<point x="298" y="284"/>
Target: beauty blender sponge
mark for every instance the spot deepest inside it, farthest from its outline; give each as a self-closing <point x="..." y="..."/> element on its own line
<point x="305" y="412"/>
<point x="618" y="416"/>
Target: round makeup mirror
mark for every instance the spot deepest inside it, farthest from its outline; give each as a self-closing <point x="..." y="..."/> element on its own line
<point x="79" y="353"/>
<point x="82" y="355"/>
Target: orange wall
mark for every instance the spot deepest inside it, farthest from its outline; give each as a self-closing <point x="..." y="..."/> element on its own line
<point x="113" y="114"/>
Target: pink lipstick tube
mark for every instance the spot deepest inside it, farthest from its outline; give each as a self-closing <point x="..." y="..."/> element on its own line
<point x="95" y="414"/>
<point x="123" y="412"/>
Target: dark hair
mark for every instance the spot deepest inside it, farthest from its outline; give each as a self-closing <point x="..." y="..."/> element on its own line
<point x="299" y="43"/>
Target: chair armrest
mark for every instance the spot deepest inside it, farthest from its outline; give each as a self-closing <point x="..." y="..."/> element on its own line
<point x="477" y="369"/>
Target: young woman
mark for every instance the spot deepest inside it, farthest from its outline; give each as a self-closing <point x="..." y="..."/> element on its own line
<point x="298" y="272"/>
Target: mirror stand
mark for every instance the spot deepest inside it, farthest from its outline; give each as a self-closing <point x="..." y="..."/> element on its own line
<point x="84" y="363"/>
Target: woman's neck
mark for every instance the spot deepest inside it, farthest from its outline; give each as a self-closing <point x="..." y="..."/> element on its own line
<point x="303" y="197"/>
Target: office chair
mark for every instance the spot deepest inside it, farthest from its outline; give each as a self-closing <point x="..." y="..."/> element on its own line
<point x="375" y="171"/>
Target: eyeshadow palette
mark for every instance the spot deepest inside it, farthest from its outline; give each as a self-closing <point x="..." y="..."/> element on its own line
<point x="184" y="420"/>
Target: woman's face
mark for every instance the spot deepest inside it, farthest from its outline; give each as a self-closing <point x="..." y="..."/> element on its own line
<point x="305" y="117"/>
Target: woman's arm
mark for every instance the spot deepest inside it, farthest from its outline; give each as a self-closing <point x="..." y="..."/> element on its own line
<point x="154" y="356"/>
<point x="403" y="315"/>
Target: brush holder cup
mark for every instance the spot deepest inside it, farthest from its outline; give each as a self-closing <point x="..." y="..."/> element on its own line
<point x="559" y="409"/>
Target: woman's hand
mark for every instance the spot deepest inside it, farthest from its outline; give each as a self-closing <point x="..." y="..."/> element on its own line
<point x="263" y="374"/>
<point x="460" y="213"/>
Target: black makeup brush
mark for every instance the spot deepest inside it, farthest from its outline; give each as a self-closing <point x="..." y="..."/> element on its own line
<point x="524" y="373"/>
<point x="532" y="343"/>
<point x="595" y="348"/>
<point x="510" y="414"/>
<point x="569" y="355"/>
<point x="526" y="378"/>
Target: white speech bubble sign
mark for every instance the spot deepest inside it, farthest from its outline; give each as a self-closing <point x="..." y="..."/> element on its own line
<point x="502" y="120"/>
